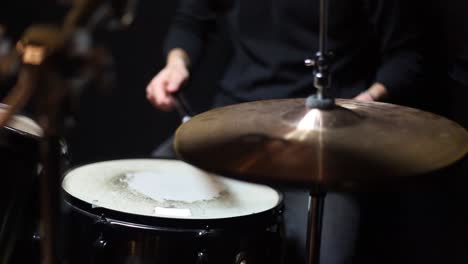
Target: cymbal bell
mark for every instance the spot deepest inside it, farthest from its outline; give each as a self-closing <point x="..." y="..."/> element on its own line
<point x="282" y="141"/>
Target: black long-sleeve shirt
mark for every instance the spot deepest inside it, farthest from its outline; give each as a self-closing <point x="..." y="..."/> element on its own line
<point x="457" y="27"/>
<point x="372" y="41"/>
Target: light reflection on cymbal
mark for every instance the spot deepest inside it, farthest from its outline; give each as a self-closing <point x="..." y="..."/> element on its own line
<point x="311" y="122"/>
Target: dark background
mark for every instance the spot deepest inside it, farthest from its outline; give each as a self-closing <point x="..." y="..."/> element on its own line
<point x="120" y="123"/>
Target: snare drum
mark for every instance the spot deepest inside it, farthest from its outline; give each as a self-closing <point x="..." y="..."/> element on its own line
<point x="166" y="211"/>
<point x="19" y="155"/>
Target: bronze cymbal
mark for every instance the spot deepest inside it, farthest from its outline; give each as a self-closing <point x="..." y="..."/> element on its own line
<point x="355" y="142"/>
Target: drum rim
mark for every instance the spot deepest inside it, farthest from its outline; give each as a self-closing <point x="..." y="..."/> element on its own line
<point x="148" y="222"/>
<point x="23" y="133"/>
<point x="156" y="223"/>
<point x="19" y="131"/>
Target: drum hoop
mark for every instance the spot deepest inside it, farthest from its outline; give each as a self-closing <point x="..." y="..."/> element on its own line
<point x="115" y="218"/>
<point x="23" y="133"/>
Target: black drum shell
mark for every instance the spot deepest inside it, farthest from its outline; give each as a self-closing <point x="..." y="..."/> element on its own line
<point x="19" y="155"/>
<point x="109" y="236"/>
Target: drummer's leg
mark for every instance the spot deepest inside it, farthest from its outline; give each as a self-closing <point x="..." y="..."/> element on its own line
<point x="410" y="223"/>
<point x="341" y="222"/>
<point x="391" y="227"/>
<point x="341" y="227"/>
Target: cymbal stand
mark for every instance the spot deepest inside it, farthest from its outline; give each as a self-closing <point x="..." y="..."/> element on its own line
<point x="321" y="63"/>
<point x="314" y="226"/>
<point x="45" y="50"/>
<point x="323" y="101"/>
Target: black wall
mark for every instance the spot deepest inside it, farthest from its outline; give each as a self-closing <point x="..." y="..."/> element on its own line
<point x="122" y="123"/>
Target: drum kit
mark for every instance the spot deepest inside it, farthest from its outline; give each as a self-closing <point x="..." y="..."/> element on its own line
<point x="167" y="211"/>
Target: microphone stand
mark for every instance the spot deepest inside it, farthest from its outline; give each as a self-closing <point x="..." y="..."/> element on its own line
<point x="44" y="51"/>
<point x="39" y="64"/>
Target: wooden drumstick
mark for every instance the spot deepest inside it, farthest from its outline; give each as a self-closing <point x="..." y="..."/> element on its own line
<point x="182" y="106"/>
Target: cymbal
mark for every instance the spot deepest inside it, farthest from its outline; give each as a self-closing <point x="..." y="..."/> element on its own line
<point x="282" y="141"/>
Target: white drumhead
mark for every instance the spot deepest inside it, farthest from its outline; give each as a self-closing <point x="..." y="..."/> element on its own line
<point x="166" y="188"/>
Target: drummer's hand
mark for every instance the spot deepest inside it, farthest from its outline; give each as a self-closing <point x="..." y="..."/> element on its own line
<point x="168" y="81"/>
<point x="376" y="92"/>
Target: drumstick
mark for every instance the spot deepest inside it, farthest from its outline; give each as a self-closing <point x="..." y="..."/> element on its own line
<point x="182" y="106"/>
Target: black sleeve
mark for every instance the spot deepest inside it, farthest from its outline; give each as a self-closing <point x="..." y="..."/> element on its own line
<point x="399" y="36"/>
<point x="193" y="22"/>
<point x="457" y="40"/>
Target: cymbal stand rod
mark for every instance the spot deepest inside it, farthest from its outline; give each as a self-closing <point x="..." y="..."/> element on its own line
<point x="321" y="72"/>
<point x="314" y="228"/>
<point x="320" y="64"/>
<point x="323" y="40"/>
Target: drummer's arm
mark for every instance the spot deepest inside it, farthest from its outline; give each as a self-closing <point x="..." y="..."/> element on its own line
<point x="400" y="69"/>
<point x="192" y="23"/>
<point x="376" y="92"/>
<point x="184" y="44"/>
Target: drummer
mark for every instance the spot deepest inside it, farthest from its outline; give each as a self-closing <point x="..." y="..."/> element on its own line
<point x="375" y="57"/>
